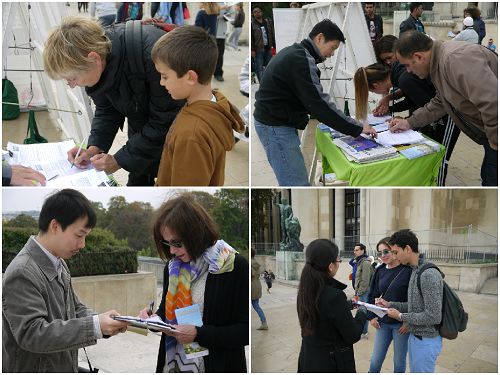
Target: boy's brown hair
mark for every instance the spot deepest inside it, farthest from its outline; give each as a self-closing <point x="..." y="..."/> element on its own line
<point x="68" y="45"/>
<point x="188" y="219"/>
<point x="187" y="48"/>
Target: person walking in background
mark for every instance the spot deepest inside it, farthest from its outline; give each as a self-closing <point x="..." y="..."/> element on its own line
<point x="269" y="278"/>
<point x="373" y="22"/>
<point x="220" y="37"/>
<point x="390" y="281"/>
<point x="364" y="272"/>
<point x="413" y="22"/>
<point x="201" y="270"/>
<point x="238" y="22"/>
<point x="257" y="292"/>
<point x="262" y="36"/>
<point x="327" y="326"/>
<point x="206" y="18"/>
<point x="422" y="312"/>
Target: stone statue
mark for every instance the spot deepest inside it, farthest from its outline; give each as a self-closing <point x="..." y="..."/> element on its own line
<point x="290" y="228"/>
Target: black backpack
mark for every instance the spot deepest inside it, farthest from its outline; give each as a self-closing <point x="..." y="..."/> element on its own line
<point x="453" y="316"/>
<point x="134" y="50"/>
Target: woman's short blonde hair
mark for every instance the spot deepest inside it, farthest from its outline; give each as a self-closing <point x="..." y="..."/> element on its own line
<point x="67" y="47"/>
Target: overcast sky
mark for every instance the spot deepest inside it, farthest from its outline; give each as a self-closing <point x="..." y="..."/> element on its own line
<point x="26" y="199"/>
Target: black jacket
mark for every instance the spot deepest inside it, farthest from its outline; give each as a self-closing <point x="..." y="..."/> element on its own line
<point x="225" y="320"/>
<point x="390" y="284"/>
<point x="330" y="348"/>
<point x="379" y="26"/>
<point x="290" y="89"/>
<point x="149" y="117"/>
<point x="409" y="24"/>
<point x="418" y="92"/>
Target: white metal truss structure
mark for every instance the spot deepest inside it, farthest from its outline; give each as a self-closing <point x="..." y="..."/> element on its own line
<point x="22" y="21"/>
<point x="337" y="72"/>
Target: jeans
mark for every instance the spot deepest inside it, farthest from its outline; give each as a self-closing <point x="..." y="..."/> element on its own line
<point x="220" y="57"/>
<point x="258" y="310"/>
<point x="107" y="20"/>
<point x="281" y="144"/>
<point x="262" y="58"/>
<point x="385" y="334"/>
<point x="423" y="353"/>
<point x="234" y="37"/>
<point x="489" y="168"/>
<point x="364" y="298"/>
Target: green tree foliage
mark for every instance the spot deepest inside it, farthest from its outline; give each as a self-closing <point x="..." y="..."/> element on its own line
<point x="131" y="221"/>
<point x="22" y="221"/>
<point x="231" y="214"/>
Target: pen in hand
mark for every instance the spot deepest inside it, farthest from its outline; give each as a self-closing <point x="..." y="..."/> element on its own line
<point x="151" y="306"/>
<point x="78" y="153"/>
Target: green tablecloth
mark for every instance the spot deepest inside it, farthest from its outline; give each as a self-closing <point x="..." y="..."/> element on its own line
<point x="398" y="171"/>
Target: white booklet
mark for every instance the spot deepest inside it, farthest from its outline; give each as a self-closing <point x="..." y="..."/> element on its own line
<point x="191" y="315"/>
<point x="379" y="311"/>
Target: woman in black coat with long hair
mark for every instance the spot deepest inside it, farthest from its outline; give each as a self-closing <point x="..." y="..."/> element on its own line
<point x="328" y="328"/>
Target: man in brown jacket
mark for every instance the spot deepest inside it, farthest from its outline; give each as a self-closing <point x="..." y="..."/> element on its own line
<point x="466" y="79"/>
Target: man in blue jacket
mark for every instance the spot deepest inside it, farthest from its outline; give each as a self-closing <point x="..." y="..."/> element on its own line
<point x="289" y="91"/>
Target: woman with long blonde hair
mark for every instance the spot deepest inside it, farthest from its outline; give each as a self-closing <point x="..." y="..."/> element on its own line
<point x="207" y="17"/>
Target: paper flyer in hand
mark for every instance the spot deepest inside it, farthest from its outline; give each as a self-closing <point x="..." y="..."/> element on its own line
<point x="379" y="311"/>
<point x="191" y="315"/>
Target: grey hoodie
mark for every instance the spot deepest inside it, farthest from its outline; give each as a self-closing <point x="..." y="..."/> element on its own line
<point x="423" y="312"/>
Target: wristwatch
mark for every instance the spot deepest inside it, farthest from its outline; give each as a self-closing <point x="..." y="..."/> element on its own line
<point x="400" y="317"/>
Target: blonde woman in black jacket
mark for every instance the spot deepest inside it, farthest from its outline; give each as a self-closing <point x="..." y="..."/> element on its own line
<point x="328" y="328"/>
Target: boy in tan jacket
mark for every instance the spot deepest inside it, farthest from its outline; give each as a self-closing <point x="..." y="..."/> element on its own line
<point x="195" y="148"/>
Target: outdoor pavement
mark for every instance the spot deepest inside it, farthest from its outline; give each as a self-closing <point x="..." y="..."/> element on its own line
<point x="276" y="350"/>
<point x="463" y="169"/>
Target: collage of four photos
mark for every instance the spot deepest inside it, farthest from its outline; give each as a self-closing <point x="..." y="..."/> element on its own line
<point x="260" y="187"/>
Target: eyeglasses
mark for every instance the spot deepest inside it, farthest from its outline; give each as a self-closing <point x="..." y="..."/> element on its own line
<point x="395" y="252"/>
<point x="383" y="252"/>
<point x="173" y="243"/>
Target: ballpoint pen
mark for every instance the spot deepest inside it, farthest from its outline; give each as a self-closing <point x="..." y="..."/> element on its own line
<point x="151" y="306"/>
<point x="78" y="153"/>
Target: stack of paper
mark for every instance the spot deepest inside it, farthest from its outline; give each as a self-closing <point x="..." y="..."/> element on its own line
<point x="153" y="322"/>
<point x="425" y="148"/>
<point x="366" y="156"/>
<point x="406" y="137"/>
<point x="359" y="143"/>
<point x="51" y="160"/>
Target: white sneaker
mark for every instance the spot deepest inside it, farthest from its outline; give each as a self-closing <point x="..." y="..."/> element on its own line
<point x="364" y="336"/>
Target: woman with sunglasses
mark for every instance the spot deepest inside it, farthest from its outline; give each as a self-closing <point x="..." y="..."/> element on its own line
<point x="390" y="281"/>
<point x="201" y="270"/>
<point x="328" y="328"/>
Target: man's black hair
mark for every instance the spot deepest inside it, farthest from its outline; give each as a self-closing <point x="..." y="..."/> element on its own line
<point x="403" y="238"/>
<point x="330" y="31"/>
<point x="66" y="207"/>
<point x="361" y="246"/>
<point x="412" y="41"/>
<point x="368" y="3"/>
<point x="414" y="6"/>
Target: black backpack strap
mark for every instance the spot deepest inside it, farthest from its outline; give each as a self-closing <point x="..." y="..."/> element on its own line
<point x="424" y="267"/>
<point x="133" y="46"/>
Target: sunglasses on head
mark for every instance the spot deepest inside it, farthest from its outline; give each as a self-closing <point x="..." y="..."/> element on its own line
<point x="383" y="252"/>
<point x="173" y="243"/>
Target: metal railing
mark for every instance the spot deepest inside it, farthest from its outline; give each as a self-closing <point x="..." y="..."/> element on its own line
<point x="459" y="245"/>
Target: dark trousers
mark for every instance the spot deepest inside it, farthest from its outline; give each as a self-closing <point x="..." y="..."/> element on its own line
<point x="261" y="60"/>
<point x="489" y="168"/>
<point x="135" y="179"/>
<point x="221" y="45"/>
<point x="447" y="135"/>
